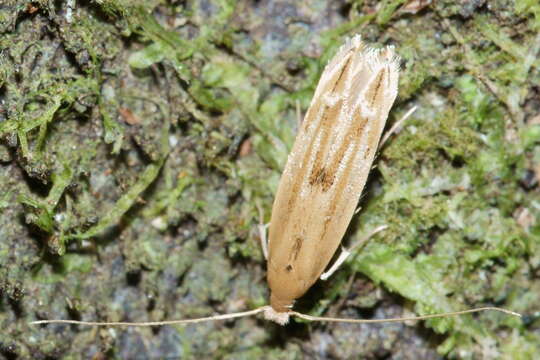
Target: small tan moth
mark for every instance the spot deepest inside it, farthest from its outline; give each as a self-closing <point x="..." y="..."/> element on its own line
<point x="322" y="181"/>
<point x="328" y="168"/>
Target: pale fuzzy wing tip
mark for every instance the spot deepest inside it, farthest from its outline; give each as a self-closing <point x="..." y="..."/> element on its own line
<point x="386" y="55"/>
<point x="390" y="56"/>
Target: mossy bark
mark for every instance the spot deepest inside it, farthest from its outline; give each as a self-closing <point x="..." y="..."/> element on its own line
<point x="138" y="138"/>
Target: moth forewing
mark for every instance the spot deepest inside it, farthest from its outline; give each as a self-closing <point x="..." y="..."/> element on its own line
<point x="328" y="167"/>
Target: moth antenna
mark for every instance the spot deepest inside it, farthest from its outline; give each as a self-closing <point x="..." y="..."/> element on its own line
<point x="154" y="323"/>
<point x="262" y="228"/>
<point x="397" y="125"/>
<point x="423" y="317"/>
<point x="267" y="309"/>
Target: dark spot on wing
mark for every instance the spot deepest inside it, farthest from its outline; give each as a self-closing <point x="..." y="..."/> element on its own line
<point x="319" y="176"/>
<point x="367" y="152"/>
<point x="296" y="248"/>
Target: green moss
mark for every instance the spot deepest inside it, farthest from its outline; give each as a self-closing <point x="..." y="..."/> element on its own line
<point x="529" y="7"/>
<point x="387" y="9"/>
<point x="124" y="203"/>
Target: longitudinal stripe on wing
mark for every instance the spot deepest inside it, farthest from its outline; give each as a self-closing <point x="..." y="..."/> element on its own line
<point x="356" y="149"/>
<point x="318" y="137"/>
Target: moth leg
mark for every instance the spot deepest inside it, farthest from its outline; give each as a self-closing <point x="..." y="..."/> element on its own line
<point x="340" y="260"/>
<point x="396" y="126"/>
<point x="346" y="252"/>
<point x="264" y="241"/>
<point x="262" y="231"/>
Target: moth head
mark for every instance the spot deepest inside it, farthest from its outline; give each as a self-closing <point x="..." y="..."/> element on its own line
<point x="282" y="318"/>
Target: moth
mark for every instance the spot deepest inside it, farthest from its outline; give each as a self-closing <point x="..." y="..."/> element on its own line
<point x="322" y="182"/>
<point x="327" y="168"/>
